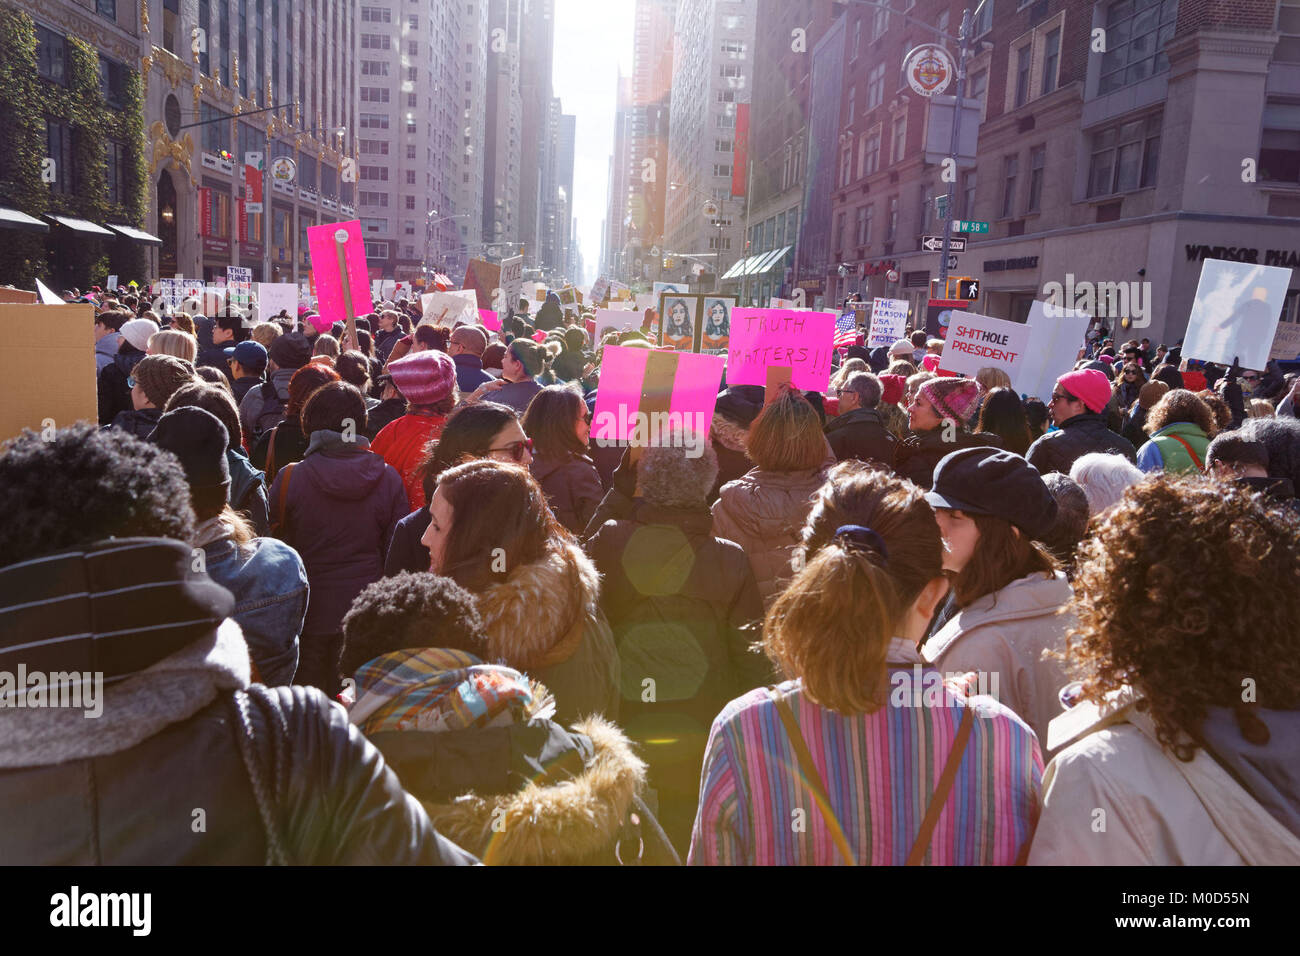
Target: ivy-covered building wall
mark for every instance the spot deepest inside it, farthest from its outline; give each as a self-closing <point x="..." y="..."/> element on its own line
<point x="96" y="109"/>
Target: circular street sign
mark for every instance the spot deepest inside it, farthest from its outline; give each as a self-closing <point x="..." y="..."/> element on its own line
<point x="284" y="169"/>
<point x="340" y="236"/>
<point x="710" y="208"/>
<point x="892" y="275"/>
<point x="929" y="69"/>
<point x="654" y="252"/>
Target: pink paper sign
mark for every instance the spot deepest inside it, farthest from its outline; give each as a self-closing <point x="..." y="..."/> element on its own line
<point x="764" y="338"/>
<point x="539" y="336"/>
<point x="619" y="398"/>
<point x="491" y="321"/>
<point x="323" y="241"/>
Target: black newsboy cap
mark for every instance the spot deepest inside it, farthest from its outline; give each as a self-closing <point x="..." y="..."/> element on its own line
<point x="987" y="481"/>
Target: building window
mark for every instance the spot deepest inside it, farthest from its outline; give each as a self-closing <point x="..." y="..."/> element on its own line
<point x="412" y="100"/>
<point x="1010" y="170"/>
<point x="413" y="48"/>
<point x="862" y="225"/>
<point x="1135" y="36"/>
<point x="410" y="124"/>
<point x="51" y="54"/>
<point x="892" y="226"/>
<point x="112" y="82"/>
<point x="979" y="86"/>
<point x="1024" y="56"/>
<point x="375" y="41"/>
<point x="410" y="202"/>
<point x="410" y="177"/>
<point x="106" y="8"/>
<point x="723" y="145"/>
<point x="846" y="165"/>
<point x="376" y="250"/>
<point x="376" y="15"/>
<point x="879" y="24"/>
<point x="374" y="121"/>
<point x="376" y="147"/>
<point x="374" y="199"/>
<point x="1288" y="25"/>
<point x="876" y="86"/>
<point x="1124" y="157"/>
<point x="374" y="67"/>
<point x="374" y="225"/>
<point x="899" y="142"/>
<point x="375" y="173"/>
<point x="721" y="169"/>
<point x="58" y="147"/>
<point x="374" y="94"/>
<point x="1279" y="150"/>
<point x="1051" y="60"/>
<point x="968" y="194"/>
<point x="115" y="159"/>
<point x="857" y="38"/>
<point x="983" y="21"/>
<point x="869" y="159"/>
<point x="1037" y="167"/>
<point x="413" y="22"/>
<point x="853" y="98"/>
<point x="839" y="232"/>
<point x="410" y="151"/>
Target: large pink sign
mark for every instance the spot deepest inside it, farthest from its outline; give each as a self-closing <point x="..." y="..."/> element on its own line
<point x="775" y="338"/>
<point x="645" y="395"/>
<point x="491" y="321"/>
<point x="323" y="241"/>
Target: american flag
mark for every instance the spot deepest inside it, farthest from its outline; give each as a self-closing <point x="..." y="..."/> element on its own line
<point x="846" y="330"/>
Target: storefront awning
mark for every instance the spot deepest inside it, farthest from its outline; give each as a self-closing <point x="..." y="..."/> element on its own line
<point x="739" y="269"/>
<point x="13" y="219"/>
<point x="139" y="235"/>
<point x="80" y="225"/>
<point x="768" y="261"/>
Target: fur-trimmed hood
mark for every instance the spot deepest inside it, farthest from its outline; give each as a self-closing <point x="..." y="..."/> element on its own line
<point x="576" y="821"/>
<point x="536" y="617"/>
<point x="729" y="434"/>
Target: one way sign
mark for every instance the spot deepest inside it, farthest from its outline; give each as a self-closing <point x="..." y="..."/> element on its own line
<point x="935" y="243"/>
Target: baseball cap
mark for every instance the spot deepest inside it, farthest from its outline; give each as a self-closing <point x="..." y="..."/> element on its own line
<point x="249" y="354"/>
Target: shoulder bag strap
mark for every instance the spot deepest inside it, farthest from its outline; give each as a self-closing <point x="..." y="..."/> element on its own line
<point x="264" y="790"/>
<point x="1195" y="457"/>
<point x="282" y="501"/>
<point x="270" y="455"/>
<point x="941" y="790"/>
<point x="811" y="778"/>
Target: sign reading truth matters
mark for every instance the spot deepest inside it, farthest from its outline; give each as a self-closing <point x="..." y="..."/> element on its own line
<point x="775" y="338"/>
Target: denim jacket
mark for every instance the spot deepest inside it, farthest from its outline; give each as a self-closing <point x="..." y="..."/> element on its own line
<point x="269" y="583"/>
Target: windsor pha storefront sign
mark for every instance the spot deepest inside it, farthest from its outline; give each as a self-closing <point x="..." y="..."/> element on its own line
<point x="1271" y="257"/>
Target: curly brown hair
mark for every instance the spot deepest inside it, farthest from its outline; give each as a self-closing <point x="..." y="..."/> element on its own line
<point x="1218" y="408"/>
<point x="1180" y="405"/>
<point x="1188" y="589"/>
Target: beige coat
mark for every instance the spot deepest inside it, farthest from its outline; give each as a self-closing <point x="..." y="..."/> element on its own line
<point x="1116" y="797"/>
<point x="1010" y="636"/>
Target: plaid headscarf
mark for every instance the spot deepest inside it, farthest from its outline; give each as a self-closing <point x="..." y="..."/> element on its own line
<point x="437" y="689"/>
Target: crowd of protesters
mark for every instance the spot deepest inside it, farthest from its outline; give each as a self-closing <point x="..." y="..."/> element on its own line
<point x="389" y="601"/>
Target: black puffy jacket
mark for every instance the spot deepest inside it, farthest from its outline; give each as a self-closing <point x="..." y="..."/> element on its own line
<point x="862" y="435"/>
<point x="339" y="802"/>
<point x="916" y="458"/>
<point x="1077" y="436"/>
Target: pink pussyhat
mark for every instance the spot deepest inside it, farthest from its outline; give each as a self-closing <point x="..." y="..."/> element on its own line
<point x="320" y="323"/>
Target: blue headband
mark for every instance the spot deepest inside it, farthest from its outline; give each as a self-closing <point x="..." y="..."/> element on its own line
<point x="861" y="536"/>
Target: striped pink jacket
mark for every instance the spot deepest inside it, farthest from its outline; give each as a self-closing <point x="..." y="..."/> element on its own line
<point x="879" y="770"/>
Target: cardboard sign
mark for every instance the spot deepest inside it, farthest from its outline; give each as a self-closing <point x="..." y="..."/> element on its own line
<point x="47" y="295"/>
<point x="600" y="291"/>
<point x="446" y="308"/>
<point x="616" y="320"/>
<point x="275" y="297"/>
<point x="981" y="341"/>
<point x="19" y="297"/>
<point x="938" y="316"/>
<point x="1286" y="341"/>
<point x="1055" y="337"/>
<point x="646" y="395"/>
<point x="511" y="280"/>
<point x="112" y="284"/>
<point x="775" y="303"/>
<point x="715" y="321"/>
<point x="484" y="278"/>
<point x="888" y="322"/>
<point x="333" y="300"/>
<point x="239" y="286"/>
<point x="491" y="321"/>
<point x="1235" y="313"/>
<point x="568" y="295"/>
<point x="679" y="288"/>
<point x="677" y="322"/>
<point x="763" y="338"/>
<point x="646" y="300"/>
<point x="44" y="344"/>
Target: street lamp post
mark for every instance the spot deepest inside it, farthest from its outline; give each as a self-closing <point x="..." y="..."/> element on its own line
<point x="717" y="264"/>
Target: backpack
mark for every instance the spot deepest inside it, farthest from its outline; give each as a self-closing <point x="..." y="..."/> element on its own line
<point x="272" y="410"/>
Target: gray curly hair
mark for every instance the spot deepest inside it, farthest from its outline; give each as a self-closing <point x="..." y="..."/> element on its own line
<point x="671" y="478"/>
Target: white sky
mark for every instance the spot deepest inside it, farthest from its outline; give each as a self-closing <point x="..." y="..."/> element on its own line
<point x="593" y="38"/>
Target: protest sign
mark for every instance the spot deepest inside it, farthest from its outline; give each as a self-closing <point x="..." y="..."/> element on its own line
<point x="776" y="303"/>
<point x="981" y="341"/>
<point x="938" y="314"/>
<point x="18" y="296"/>
<point x="491" y="321"/>
<point x="484" y="278"/>
<point x="445" y="308"/>
<point x="338" y="266"/>
<point x="648" y="396"/>
<point x="780" y="338"/>
<point x="600" y="291"/>
<point x="568" y="295"/>
<point x="678" y="320"/>
<point x="511" y="280"/>
<point x="47" y="295"/>
<point x="1055" y="336"/>
<point x="715" y="321"/>
<point x="1235" y="313"/>
<point x="646" y="300"/>
<point x="888" y="322"/>
<point x="616" y="320"/>
<point x="214" y="296"/>
<point x="44" y="344"/>
<point x="1286" y="341"/>
<point x="617" y="290"/>
<point x="239" y="286"/>
<point x="111" y="285"/>
<point x="275" y="297"/>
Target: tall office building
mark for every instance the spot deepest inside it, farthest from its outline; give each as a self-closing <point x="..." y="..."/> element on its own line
<point x="536" y="42"/>
<point x="503" y="132"/>
<point x="652" y="79"/>
<point x="619" y="261"/>
<point x="468" y="181"/>
<point x="557" y="204"/>
<point x="712" y="71"/>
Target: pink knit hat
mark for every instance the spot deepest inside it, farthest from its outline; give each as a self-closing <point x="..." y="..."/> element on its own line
<point x="930" y="363"/>
<point x="1088" y="385"/>
<point x="424" y="378"/>
<point x="953" y="397"/>
<point x="895" y="387"/>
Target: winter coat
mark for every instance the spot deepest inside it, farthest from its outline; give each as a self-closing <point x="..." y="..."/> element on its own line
<point x="550" y="315"/>
<point x="263" y="407"/>
<point x="105" y="349"/>
<point x="214" y="356"/>
<point x="342" y="504"/>
<point x="684" y="609"/>
<point x="861" y="434"/>
<point x="729" y="442"/>
<point x="544" y="619"/>
<point x="469" y="372"/>
<point x="1134" y="426"/>
<point x="1004" y="635"/>
<point x="764" y="512"/>
<point x="114" y="393"/>
<point x="269" y="583"/>
<point x="916" y="458"/>
<point x="572" y="487"/>
<point x="1167" y="453"/>
<point x="248" y="490"/>
<point x="290" y="446"/>
<point x="384" y="342"/>
<point x="406" y="553"/>
<point x="1154" y="815"/>
<point x="242" y="386"/>
<point x="402" y="445"/>
<point x="139" y="422"/>
<point x="1076" y="437"/>
<point x="516" y="395"/>
<point x="387" y="411"/>
<point x="166" y="741"/>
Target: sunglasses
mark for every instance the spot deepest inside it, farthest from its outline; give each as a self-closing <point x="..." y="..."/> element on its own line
<point x="516" y="449"/>
<point x="1059" y="397"/>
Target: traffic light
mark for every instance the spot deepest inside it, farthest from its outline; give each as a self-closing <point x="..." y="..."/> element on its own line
<point x="668" y="263"/>
<point x="968" y="288"/>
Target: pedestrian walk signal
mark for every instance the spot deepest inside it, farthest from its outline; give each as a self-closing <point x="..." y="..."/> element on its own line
<point x="968" y="289"/>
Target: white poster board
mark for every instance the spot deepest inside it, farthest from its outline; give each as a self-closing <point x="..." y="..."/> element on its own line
<point x="616" y="319"/>
<point x="1286" y="342"/>
<point x="112" y="283"/>
<point x="446" y="308"/>
<point x="1055" y="336"/>
<point x="1235" y="313"/>
<point x="272" y="297"/>
<point x="239" y="285"/>
<point x="776" y="303"/>
<point x="512" y="279"/>
<point x="661" y="287"/>
<point x="981" y="341"/>
<point x="888" y="322"/>
<point x="646" y="300"/>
